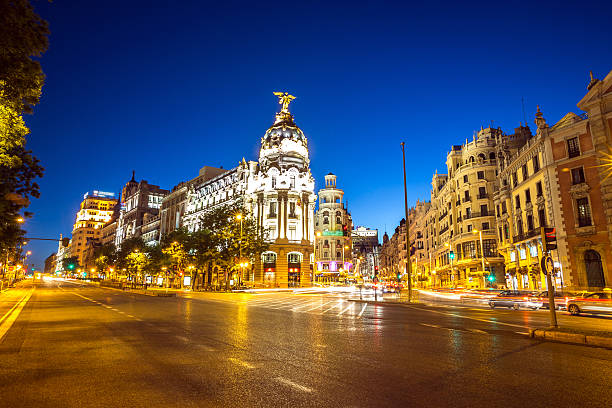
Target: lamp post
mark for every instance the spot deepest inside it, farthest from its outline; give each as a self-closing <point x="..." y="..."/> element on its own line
<point x="239" y="218"/>
<point x="450" y="248"/>
<point x="314" y="255"/>
<point x="481" y="257"/>
<point x="408" y="265"/>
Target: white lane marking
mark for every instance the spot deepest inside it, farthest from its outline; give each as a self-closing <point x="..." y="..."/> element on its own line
<point x="108" y="307"/>
<point x="477" y="331"/>
<point x="292" y="384"/>
<point x="240" y="362"/>
<point x="467" y="317"/>
<point x="183" y="339"/>
<point x="320" y="306"/>
<point x="205" y="347"/>
<point x="362" y="309"/>
<point x="523" y="333"/>
<point x="333" y="307"/>
<point x="430" y="325"/>
<point x="9" y="319"/>
<point x="347" y="308"/>
<point x="309" y="303"/>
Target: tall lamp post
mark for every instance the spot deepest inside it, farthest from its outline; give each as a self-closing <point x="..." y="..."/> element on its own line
<point x="314" y="255"/>
<point x="239" y="218"/>
<point x="408" y="265"/>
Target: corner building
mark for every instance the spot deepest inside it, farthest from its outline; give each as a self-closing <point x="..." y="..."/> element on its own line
<point x="278" y="191"/>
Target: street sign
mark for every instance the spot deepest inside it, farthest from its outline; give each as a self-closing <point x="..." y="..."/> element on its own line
<point x="547" y="264"/>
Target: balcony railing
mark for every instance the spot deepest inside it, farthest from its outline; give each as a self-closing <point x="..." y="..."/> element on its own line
<point x="481" y="196"/>
<point x="467" y="199"/>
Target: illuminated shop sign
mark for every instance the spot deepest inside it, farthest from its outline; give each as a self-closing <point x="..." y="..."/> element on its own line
<point x="99" y="194"/>
<point x="328" y="233"/>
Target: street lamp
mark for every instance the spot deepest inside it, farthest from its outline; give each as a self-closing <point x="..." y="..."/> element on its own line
<point x="20" y="220"/>
<point x="239" y="218"/>
<point x="314" y="255"/>
<point x="481" y="256"/>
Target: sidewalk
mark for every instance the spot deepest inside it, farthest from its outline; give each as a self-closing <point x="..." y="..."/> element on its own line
<point x="573" y="336"/>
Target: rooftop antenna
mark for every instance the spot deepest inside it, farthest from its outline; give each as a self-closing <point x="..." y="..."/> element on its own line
<point x="523" y="105"/>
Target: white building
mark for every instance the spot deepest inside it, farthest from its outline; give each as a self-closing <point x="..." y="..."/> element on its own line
<point x="278" y="191"/>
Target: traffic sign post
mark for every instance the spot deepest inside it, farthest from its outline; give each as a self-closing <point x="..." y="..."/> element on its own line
<point x="548" y="268"/>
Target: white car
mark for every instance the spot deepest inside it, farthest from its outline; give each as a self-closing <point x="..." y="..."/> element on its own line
<point x="599" y="303"/>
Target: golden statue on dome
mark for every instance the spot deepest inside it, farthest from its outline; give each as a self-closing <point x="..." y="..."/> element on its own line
<point x="284" y="99"/>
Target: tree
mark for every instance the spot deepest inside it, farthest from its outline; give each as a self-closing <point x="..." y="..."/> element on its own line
<point x="105" y="256"/>
<point x="71" y="264"/>
<point x="23" y="35"/>
<point x="137" y="263"/>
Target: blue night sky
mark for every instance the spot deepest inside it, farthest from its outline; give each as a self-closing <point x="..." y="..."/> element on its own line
<point x="166" y="87"/>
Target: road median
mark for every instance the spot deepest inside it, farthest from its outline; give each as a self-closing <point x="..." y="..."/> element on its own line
<point x="573" y="336"/>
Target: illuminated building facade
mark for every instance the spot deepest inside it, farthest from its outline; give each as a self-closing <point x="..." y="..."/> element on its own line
<point x="95" y="211"/>
<point x="333" y="222"/>
<point x="138" y="199"/>
<point x="278" y="191"/>
<point x="365" y="250"/>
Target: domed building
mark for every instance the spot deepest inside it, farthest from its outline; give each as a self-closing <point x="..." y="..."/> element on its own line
<point x="278" y="191"/>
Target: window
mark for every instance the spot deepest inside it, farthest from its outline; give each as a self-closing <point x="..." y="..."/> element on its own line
<point x="584" y="212"/>
<point x="506" y="232"/>
<point x="269" y="257"/>
<point x="465" y="178"/>
<point x="542" y="217"/>
<point x="529" y="222"/>
<point x="338" y="255"/>
<point x="536" y="164"/>
<point x="293" y="257"/>
<point x="519" y="227"/>
<point x="485" y="226"/>
<point x="292" y="210"/>
<point x="292" y="181"/>
<point x="273" y="182"/>
<point x="501" y="236"/>
<point x="514" y="179"/>
<point x="527" y="196"/>
<point x="490" y="247"/>
<point x="517" y="200"/>
<point x="484" y="211"/>
<point x="577" y="175"/>
<point x="573" y="147"/>
<point x="497" y="208"/>
<point x="469" y="228"/>
<point x="504" y="209"/>
<point x="525" y="173"/>
<point x="533" y="251"/>
<point x="466" y="195"/>
<point x="512" y="256"/>
<point x="482" y="192"/>
<point x="522" y="253"/>
<point x="272" y="209"/>
<point x="480" y="175"/>
<point x="539" y="189"/>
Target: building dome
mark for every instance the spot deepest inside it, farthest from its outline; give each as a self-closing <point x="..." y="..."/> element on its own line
<point x="284" y="144"/>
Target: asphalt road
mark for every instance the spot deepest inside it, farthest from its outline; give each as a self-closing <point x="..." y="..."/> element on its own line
<point x="82" y="346"/>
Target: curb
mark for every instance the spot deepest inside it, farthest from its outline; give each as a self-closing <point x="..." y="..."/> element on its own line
<point x="573" y="338"/>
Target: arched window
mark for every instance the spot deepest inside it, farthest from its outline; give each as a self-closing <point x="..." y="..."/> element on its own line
<point x="294" y="257"/>
<point x="594" y="269"/>
<point x="471" y="159"/>
<point x="482" y="158"/>
<point x="268" y="257"/>
<point x="492" y="156"/>
<point x="338" y="255"/>
<point x="325" y="220"/>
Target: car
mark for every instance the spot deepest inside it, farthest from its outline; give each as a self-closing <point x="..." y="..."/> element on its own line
<point x="598" y="303"/>
<point x="542" y="297"/>
<point x="514" y="299"/>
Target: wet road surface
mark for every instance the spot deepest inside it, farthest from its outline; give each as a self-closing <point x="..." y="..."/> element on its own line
<point x="80" y="346"/>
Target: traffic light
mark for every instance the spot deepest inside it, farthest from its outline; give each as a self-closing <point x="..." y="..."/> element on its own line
<point x="71" y="266"/>
<point x="345" y="230"/>
<point x="451" y="255"/>
<point x="65" y="242"/>
<point x="375" y="270"/>
<point x="549" y="239"/>
<point x="491" y="278"/>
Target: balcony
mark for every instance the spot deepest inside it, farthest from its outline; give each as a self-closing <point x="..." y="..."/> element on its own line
<point x="526" y="235"/>
<point x="442" y="216"/>
<point x="467" y="199"/>
<point x="443" y="230"/>
<point x="483" y="196"/>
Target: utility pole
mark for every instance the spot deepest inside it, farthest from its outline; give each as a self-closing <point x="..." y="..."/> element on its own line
<point x="408" y="266"/>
